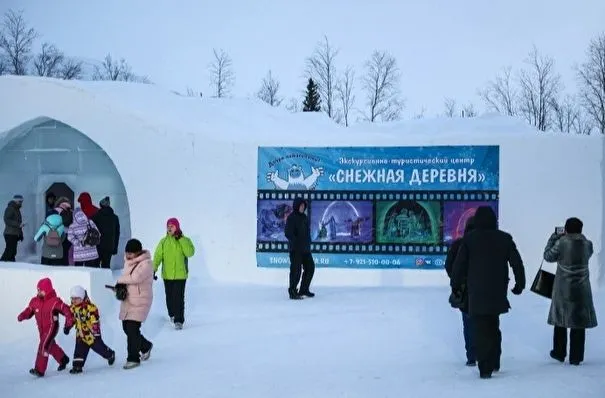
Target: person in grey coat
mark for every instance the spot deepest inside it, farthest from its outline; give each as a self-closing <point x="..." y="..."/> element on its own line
<point x="13" y="228"/>
<point x="572" y="305"/>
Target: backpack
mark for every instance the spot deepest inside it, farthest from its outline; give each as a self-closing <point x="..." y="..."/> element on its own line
<point x="52" y="238"/>
<point x="92" y="236"/>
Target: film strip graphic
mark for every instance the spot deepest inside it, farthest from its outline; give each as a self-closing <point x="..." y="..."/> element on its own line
<point x="371" y="248"/>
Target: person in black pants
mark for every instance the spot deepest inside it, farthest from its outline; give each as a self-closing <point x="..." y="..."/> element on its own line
<point x="108" y="224"/>
<point x="482" y="266"/>
<point x="298" y="233"/>
<point x="13" y="228"/>
<point x="572" y="305"/>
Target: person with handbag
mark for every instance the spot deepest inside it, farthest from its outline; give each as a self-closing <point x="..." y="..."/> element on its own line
<point x="137" y="275"/>
<point x="481" y="265"/>
<point x="460" y="299"/>
<point x="572" y="305"/>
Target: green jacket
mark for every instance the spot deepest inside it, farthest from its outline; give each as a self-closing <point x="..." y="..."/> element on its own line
<point x="173" y="255"/>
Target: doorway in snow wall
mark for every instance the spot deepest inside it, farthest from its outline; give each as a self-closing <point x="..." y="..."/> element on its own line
<point x="38" y="158"/>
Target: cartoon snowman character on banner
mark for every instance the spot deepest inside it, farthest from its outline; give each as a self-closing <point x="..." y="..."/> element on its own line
<point x="296" y="179"/>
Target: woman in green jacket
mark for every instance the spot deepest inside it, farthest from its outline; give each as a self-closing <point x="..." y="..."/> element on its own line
<point x="173" y="253"/>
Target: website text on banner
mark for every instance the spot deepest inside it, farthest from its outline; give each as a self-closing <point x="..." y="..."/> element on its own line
<point x="373" y="207"/>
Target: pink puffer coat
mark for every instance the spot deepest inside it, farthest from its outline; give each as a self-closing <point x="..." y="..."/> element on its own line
<point x="138" y="275"/>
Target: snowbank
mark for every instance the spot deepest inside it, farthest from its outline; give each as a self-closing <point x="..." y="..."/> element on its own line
<point x="196" y="159"/>
<point x="18" y="285"/>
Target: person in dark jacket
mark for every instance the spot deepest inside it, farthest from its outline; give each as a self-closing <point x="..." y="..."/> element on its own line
<point x="467" y="329"/>
<point x="63" y="208"/>
<point x="109" y="227"/>
<point x="298" y="233"/>
<point x="51" y="198"/>
<point x="571" y="306"/>
<point x="482" y="266"/>
<point x="13" y="228"/>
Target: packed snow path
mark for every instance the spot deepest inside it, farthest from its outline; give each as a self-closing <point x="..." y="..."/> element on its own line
<point x="346" y="342"/>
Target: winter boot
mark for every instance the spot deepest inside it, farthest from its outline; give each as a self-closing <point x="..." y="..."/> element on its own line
<point x="131" y="365"/>
<point x="306" y="293"/>
<point x="554" y="355"/>
<point x="34" y="372"/>
<point x="63" y="363"/>
<point x="145" y="355"/>
<point x="112" y="358"/>
<point x="294" y="294"/>
<point x="76" y="370"/>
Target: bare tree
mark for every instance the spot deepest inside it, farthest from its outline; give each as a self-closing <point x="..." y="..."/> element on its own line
<point x="193" y="93"/>
<point x="420" y="115"/>
<point x="584" y="124"/>
<point x="344" y="93"/>
<point x="117" y="70"/>
<point x="381" y="84"/>
<point x="539" y="89"/>
<point x="3" y="64"/>
<point x="450" y="107"/>
<point x="500" y="95"/>
<point x="592" y="82"/>
<point x="468" y="110"/>
<point x="222" y="75"/>
<point x="48" y="62"/>
<point x="565" y="114"/>
<point x="321" y="68"/>
<point x="71" y="69"/>
<point x="16" y="39"/>
<point x="269" y="90"/>
<point x="294" y="105"/>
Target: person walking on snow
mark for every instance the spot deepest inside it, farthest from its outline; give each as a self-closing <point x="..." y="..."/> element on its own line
<point x="572" y="305"/>
<point x="63" y="208"/>
<point x="481" y="266"/>
<point x="298" y="233"/>
<point x="137" y="275"/>
<point x="86" y="205"/>
<point x="13" y="228"/>
<point x="46" y="306"/>
<point x="109" y="227"/>
<point x="173" y="253"/>
<point x="88" y="330"/>
<point x="84" y="236"/>
<point x="54" y="234"/>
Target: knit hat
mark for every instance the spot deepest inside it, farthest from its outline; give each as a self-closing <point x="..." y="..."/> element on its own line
<point x="105" y="202"/>
<point x="133" y="246"/>
<point x="174" y="221"/>
<point x="77" y="291"/>
<point x="18" y="197"/>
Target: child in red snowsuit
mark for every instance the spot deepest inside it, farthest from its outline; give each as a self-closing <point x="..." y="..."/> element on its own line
<point x="46" y="307"/>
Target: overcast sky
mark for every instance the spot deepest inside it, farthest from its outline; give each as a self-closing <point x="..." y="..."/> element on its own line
<point x="444" y="48"/>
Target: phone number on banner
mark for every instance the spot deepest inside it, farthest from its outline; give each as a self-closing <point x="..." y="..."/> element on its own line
<point x="369" y="261"/>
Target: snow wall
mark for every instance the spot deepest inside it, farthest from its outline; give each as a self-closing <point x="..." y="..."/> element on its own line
<point x="196" y="159"/>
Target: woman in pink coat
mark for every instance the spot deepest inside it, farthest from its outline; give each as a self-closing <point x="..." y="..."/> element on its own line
<point x="138" y="278"/>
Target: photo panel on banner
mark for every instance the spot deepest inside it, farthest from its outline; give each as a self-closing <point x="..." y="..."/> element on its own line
<point x="373" y="207"/>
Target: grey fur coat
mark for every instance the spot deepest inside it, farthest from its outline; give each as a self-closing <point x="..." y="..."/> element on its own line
<point x="572" y="306"/>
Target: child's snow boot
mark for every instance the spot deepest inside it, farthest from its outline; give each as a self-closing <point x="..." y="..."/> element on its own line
<point x="76" y="370"/>
<point x="34" y="372"/>
<point x="112" y="358"/>
<point x="63" y="363"/>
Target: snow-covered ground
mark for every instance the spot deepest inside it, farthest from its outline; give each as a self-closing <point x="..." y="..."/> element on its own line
<point x="244" y="341"/>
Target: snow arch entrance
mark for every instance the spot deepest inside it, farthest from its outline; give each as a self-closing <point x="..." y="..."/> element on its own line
<point x="43" y="153"/>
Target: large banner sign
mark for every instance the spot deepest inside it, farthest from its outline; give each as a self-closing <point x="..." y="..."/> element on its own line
<point x="373" y="207"/>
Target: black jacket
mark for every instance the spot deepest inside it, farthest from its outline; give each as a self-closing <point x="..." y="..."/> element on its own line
<point x="482" y="264"/>
<point x="109" y="227"/>
<point x="455" y="246"/>
<point x="297" y="229"/>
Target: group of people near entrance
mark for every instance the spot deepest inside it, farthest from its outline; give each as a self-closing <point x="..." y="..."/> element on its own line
<point x="134" y="288"/>
<point x="477" y="265"/>
<point x="85" y="236"/>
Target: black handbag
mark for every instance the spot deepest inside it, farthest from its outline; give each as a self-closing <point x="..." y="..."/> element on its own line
<point x="543" y="283"/>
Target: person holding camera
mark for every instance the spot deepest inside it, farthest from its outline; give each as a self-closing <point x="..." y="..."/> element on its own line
<point x="572" y="305"/>
<point x="137" y="276"/>
<point x="481" y="266"/>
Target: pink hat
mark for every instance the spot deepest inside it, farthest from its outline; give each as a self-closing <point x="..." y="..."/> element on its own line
<point x="174" y="221"/>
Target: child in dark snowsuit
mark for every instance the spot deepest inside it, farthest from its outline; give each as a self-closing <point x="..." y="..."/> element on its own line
<point x="88" y="330"/>
<point x="46" y="307"/>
